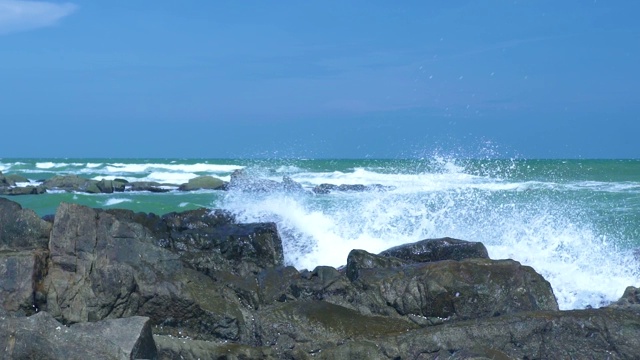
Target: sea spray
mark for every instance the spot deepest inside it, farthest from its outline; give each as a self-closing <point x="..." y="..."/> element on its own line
<point x="539" y="223"/>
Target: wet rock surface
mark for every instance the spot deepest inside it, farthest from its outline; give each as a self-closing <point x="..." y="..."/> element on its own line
<point x="114" y="284"/>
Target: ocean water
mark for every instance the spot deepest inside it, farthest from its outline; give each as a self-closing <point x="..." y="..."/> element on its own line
<point x="577" y="222"/>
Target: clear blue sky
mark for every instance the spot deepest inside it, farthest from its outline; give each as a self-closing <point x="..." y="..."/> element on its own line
<point x="543" y="78"/>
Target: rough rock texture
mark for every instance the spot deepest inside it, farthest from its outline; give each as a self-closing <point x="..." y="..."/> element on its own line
<point x="203" y="182"/>
<point x="438" y="249"/>
<point x="21" y="229"/>
<point x="21" y="276"/>
<point x="170" y="347"/>
<point x="208" y="287"/>
<point x="103" y="268"/>
<point x="468" y="289"/>
<point x="41" y="337"/>
<point x="132" y="335"/>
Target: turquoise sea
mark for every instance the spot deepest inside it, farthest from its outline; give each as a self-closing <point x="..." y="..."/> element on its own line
<point x="577" y="222"/>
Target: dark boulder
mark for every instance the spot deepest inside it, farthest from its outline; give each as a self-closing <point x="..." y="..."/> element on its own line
<point x="4" y="182"/>
<point x="360" y="259"/>
<point x="111" y="186"/>
<point x="438" y="249"/>
<point x="210" y="241"/>
<point x="203" y="182"/>
<point x="132" y="335"/>
<point x="11" y="180"/>
<point x="105" y="268"/>
<point x="21" y="277"/>
<point x="21" y="229"/>
<point x="300" y="328"/>
<point x="631" y="297"/>
<point x="578" y="334"/>
<point x="455" y="290"/>
<point x="41" y="337"/>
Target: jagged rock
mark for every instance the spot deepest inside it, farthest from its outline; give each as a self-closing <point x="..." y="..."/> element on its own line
<point x="360" y="259"/>
<point x="104" y="268"/>
<point x="72" y="183"/>
<point x="631" y="297"/>
<point x="21" y="276"/>
<point x="21" y="229"/>
<point x="132" y="335"/>
<point x="438" y="249"/>
<point x="579" y="334"/>
<point x="203" y="182"/>
<point x="293" y="329"/>
<point x="454" y="290"/>
<point x="41" y="337"/>
<point x="212" y="241"/>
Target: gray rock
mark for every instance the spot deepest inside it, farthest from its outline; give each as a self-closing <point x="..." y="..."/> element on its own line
<point x="132" y="335"/>
<point x="579" y="334"/>
<point x="147" y="186"/>
<point x="21" y="229"/>
<point x="21" y="276"/>
<point x="438" y="249"/>
<point x="170" y="347"/>
<point x="455" y="290"/>
<point x="41" y="337"/>
<point x="104" y="268"/>
<point x="203" y="182"/>
<point x="72" y="183"/>
<point x="360" y="259"/>
<point x="111" y="186"/>
<point x="212" y="241"/>
<point x="22" y="190"/>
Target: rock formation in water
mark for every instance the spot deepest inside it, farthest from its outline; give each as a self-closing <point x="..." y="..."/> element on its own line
<point x="114" y="284"/>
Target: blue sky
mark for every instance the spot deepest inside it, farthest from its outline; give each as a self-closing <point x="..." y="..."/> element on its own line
<point x="330" y="78"/>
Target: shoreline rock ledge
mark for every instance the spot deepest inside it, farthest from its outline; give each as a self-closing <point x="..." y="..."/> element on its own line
<point x="114" y="284"/>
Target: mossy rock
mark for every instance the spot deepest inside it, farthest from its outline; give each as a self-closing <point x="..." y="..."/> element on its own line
<point x="203" y="182"/>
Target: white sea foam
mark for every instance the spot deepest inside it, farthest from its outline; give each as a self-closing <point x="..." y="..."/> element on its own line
<point x="122" y="168"/>
<point x="116" y="201"/>
<point x="545" y="231"/>
<point x="47" y="165"/>
<point x="94" y="165"/>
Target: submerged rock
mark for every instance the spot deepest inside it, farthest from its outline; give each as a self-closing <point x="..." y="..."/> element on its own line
<point x="328" y="188"/>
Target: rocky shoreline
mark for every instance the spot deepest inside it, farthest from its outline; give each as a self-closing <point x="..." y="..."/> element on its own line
<point x="15" y="185"/>
<point x="114" y="284"/>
